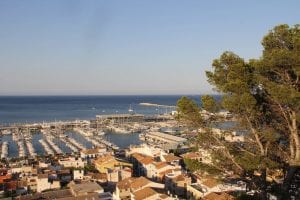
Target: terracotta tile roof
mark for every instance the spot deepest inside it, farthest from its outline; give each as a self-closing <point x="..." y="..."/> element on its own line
<point x="139" y="182"/>
<point x="133" y="183"/>
<point x="143" y="159"/>
<point x="147" y="160"/>
<point x="159" y="165"/>
<point x="137" y="156"/>
<point x="171" y="158"/>
<point x="218" y="196"/>
<point x="4" y="178"/>
<point x="104" y="159"/>
<point x="144" y="193"/>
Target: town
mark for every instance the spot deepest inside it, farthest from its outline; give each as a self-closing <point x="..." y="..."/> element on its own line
<point x="155" y="169"/>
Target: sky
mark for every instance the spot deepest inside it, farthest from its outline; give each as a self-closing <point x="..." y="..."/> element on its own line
<point x="132" y="47"/>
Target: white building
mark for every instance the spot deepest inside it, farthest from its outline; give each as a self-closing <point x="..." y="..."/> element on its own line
<point x="43" y="183"/>
<point x="71" y="162"/>
<point x="92" y="153"/>
<point x="78" y="174"/>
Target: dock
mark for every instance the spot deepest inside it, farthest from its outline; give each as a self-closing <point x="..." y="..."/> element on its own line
<point x="4" y="150"/>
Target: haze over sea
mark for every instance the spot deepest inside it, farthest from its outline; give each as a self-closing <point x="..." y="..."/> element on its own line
<point x="22" y="109"/>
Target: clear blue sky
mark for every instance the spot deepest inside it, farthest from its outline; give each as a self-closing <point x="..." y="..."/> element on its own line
<point x="127" y="47"/>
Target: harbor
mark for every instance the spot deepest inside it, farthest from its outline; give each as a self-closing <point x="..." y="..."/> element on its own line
<point x="65" y="137"/>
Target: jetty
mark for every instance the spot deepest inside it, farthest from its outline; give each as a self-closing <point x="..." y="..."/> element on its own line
<point x="68" y="144"/>
<point x="30" y="148"/>
<point x="54" y="146"/>
<point x="21" y="147"/>
<point x="46" y="147"/>
<point x="4" y="150"/>
<point x="77" y="144"/>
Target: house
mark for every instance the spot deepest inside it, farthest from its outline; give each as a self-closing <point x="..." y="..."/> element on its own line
<point x="118" y="174"/>
<point x="92" y="153"/>
<point x="126" y="187"/>
<point x="107" y="161"/>
<point x="144" y="149"/>
<point x="140" y="163"/>
<point x="43" y="183"/>
<point x="78" y="174"/>
<point x="145" y="194"/>
<point x="170" y="158"/>
<point x="96" y="177"/>
<point x="177" y="184"/>
<point x="86" y="188"/>
<point x="71" y="162"/>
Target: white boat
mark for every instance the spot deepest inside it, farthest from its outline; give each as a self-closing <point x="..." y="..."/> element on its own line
<point x="130" y="110"/>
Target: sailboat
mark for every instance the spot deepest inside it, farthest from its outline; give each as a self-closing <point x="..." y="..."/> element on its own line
<point x="130" y="110"/>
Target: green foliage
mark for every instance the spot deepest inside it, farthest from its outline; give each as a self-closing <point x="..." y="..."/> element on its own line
<point x="189" y="112"/>
<point x="279" y="67"/>
<point x="90" y="168"/>
<point x="195" y="165"/>
<point x="209" y="104"/>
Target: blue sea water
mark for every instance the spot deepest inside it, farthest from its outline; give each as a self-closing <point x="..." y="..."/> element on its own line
<point x="22" y="109"/>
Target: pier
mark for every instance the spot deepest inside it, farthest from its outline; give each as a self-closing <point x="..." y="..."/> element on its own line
<point x="46" y="147"/>
<point x="4" y="150"/>
<point x="21" y="147"/>
<point x="30" y="148"/>
<point x="54" y="146"/>
<point x="68" y="144"/>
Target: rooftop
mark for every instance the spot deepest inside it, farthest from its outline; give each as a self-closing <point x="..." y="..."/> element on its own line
<point x="133" y="183"/>
<point x="218" y="196"/>
<point x="84" y="188"/>
<point x="171" y="158"/>
<point x="144" y="193"/>
<point x="167" y="136"/>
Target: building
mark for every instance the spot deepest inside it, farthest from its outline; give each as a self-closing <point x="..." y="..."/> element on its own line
<point x="177" y="184"/>
<point x="128" y="186"/>
<point x="170" y="159"/>
<point x="145" y="150"/>
<point x="83" y="189"/>
<point x="43" y="183"/>
<point x="92" y="153"/>
<point x="163" y="140"/>
<point x="71" y="162"/>
<point x="107" y="161"/>
<point x="118" y="174"/>
<point x="219" y="196"/>
<point x="78" y="174"/>
<point x="120" y="118"/>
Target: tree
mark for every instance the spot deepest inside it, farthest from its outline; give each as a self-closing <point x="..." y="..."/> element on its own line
<point x="264" y="94"/>
<point x="209" y="104"/>
<point x="279" y="76"/>
<point x="236" y="79"/>
<point x="189" y="112"/>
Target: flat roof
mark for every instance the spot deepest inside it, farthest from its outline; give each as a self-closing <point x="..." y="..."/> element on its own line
<point x="166" y="136"/>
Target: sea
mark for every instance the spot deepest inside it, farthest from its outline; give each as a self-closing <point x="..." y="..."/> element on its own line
<point x="30" y="109"/>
